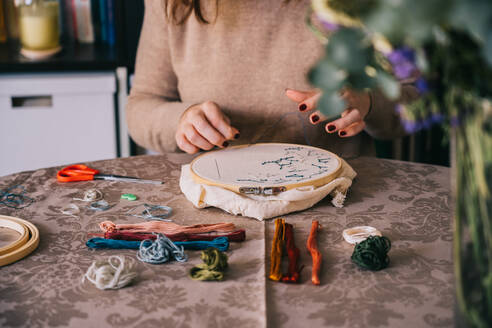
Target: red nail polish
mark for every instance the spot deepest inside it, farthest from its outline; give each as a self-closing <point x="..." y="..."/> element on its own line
<point x="236" y="136"/>
<point x="225" y="144"/>
<point x="315" y="118"/>
<point x="331" y="128"/>
<point x="342" y="133"/>
<point x="302" y="107"/>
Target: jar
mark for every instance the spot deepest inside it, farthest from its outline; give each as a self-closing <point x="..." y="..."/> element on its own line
<point x="38" y="24"/>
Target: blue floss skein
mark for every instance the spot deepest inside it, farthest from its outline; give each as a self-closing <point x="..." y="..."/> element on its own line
<point x="221" y="243"/>
<point x="161" y="250"/>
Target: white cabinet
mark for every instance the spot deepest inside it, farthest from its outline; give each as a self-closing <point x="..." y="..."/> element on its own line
<point x="56" y="118"/>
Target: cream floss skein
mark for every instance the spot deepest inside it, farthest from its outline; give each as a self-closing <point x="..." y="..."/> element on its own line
<point x="166" y="228"/>
<point x="112" y="273"/>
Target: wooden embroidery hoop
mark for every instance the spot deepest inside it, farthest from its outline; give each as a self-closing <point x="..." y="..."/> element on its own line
<point x="22" y="249"/>
<point x="203" y="167"/>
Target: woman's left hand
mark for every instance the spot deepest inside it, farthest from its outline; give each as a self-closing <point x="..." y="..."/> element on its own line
<point x="351" y="121"/>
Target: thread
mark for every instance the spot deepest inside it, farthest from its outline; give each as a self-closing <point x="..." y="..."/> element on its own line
<point x="91" y="195"/>
<point x="312" y="246"/>
<point x="358" y="234"/>
<point x="100" y="205"/>
<point x="151" y="212"/>
<point x="221" y="243"/>
<point x="372" y="253"/>
<point x="15" y="200"/>
<point x="71" y="210"/>
<point x="112" y="273"/>
<point x="166" y="228"/>
<point x="161" y="250"/>
<point x="235" y="236"/>
<point x="276" y="254"/>
<point x="293" y="254"/>
<point x="215" y="263"/>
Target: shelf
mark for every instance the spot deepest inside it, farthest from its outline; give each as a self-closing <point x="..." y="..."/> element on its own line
<point x="73" y="57"/>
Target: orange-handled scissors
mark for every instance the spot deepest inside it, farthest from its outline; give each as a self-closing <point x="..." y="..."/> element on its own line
<point x="80" y="172"/>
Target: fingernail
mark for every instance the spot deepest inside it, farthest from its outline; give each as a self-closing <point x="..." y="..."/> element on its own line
<point x="236" y="136"/>
<point x="314" y="118"/>
<point x="302" y="107"/>
<point x="331" y="128"/>
<point x="342" y="133"/>
<point x="225" y="144"/>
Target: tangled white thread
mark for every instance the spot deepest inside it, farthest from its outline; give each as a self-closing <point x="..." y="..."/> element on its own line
<point x="71" y="210"/>
<point x="91" y="195"/>
<point x="112" y="273"/>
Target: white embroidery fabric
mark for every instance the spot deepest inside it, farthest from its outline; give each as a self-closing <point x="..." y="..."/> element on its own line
<point x="265" y="207"/>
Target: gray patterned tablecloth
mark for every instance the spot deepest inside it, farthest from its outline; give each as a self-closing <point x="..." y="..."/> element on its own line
<point x="408" y="202"/>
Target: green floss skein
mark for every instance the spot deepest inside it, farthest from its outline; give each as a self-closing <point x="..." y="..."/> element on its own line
<point x="372" y="253"/>
<point x="215" y="263"/>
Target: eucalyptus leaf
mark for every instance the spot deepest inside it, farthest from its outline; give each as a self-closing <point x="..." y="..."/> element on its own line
<point x="348" y="50"/>
<point x="388" y="85"/>
<point x="326" y="76"/>
<point x="330" y="104"/>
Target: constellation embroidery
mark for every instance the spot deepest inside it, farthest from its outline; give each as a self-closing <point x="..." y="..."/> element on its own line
<point x="298" y="162"/>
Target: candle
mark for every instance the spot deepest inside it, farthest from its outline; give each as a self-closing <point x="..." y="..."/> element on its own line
<point x="38" y="23"/>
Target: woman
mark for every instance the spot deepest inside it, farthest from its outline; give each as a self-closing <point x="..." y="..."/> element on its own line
<point x="229" y="72"/>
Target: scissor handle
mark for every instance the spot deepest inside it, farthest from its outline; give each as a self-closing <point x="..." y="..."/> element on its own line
<point x="77" y="172"/>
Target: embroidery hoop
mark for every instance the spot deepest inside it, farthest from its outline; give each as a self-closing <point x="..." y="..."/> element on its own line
<point x="207" y="168"/>
<point x="22" y="250"/>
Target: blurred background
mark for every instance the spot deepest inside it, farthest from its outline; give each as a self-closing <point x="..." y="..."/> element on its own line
<point x="65" y="71"/>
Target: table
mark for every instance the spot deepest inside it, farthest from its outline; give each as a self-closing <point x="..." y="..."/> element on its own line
<point x="410" y="203"/>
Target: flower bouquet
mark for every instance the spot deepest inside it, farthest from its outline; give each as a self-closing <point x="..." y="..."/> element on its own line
<point x="443" y="48"/>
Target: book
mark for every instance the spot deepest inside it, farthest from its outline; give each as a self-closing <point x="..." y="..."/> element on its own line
<point x="103" y="16"/>
<point x="111" y="22"/>
<point x="96" y="20"/>
<point x="3" y="26"/>
<point x="83" y="19"/>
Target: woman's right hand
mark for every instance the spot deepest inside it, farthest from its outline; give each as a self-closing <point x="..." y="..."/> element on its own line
<point x="203" y="126"/>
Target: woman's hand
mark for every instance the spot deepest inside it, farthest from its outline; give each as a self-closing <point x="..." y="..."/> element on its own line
<point x="352" y="118"/>
<point x="203" y="126"/>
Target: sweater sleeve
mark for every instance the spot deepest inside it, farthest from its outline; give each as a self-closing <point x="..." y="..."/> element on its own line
<point x="383" y="122"/>
<point x="154" y="105"/>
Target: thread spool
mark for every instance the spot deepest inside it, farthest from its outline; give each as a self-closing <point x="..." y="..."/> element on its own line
<point x="358" y="234"/>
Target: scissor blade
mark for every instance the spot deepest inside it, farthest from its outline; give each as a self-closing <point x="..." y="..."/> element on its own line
<point x="125" y="179"/>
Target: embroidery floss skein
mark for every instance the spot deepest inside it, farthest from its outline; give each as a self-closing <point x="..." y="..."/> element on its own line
<point x="13" y="199"/>
<point x="161" y="250"/>
<point x="112" y="273"/>
<point x="215" y="263"/>
<point x="235" y="236"/>
<point x="372" y="253"/>
<point x="221" y="243"/>
<point x="293" y="254"/>
<point x="357" y="234"/>
<point x="276" y="255"/>
<point x="91" y="195"/>
<point x="166" y="228"/>
<point x="312" y="247"/>
<point x="71" y="210"/>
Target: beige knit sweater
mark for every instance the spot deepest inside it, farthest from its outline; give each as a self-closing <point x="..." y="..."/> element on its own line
<point x="243" y="60"/>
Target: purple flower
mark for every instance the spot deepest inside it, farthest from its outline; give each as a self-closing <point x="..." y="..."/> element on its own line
<point x="399" y="108"/>
<point x="411" y="126"/>
<point x="328" y="25"/>
<point x="454" y="121"/>
<point x="403" y="62"/>
<point x="437" y="118"/>
<point x="422" y="85"/>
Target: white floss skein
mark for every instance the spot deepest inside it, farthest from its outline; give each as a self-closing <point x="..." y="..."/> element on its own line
<point x="91" y="195"/>
<point x="71" y="210"/>
<point x="112" y="273"/>
<point x="357" y="234"/>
